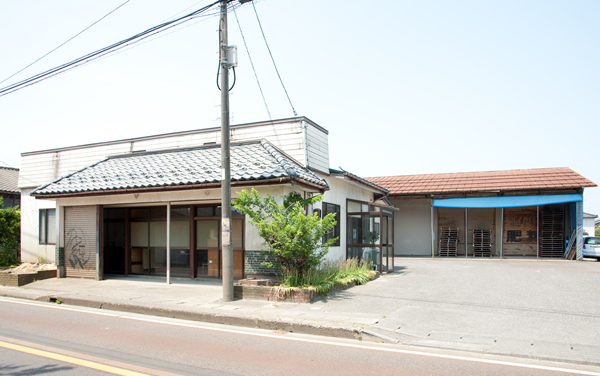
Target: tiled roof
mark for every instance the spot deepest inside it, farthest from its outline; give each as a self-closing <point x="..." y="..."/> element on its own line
<point x="8" y="180"/>
<point x="250" y="162"/>
<point x="511" y="180"/>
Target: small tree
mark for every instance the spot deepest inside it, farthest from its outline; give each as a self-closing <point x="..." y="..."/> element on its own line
<point x="292" y="236"/>
<point x="10" y="235"/>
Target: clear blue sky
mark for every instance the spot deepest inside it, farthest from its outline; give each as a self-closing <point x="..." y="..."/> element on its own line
<point x="404" y="87"/>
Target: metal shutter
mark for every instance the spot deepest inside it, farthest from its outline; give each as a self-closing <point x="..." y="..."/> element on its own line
<point x="80" y="241"/>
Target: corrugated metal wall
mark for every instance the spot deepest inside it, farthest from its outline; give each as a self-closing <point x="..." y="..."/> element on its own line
<point x="80" y="241"/>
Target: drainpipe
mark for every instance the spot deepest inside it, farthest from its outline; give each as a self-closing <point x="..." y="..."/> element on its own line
<point x="305" y="140"/>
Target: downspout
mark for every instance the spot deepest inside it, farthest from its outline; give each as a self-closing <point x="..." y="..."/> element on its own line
<point x="305" y="141"/>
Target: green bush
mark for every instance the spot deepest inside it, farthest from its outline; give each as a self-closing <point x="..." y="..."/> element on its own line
<point x="294" y="237"/>
<point x="597" y="232"/>
<point x="10" y="236"/>
<point x="330" y="275"/>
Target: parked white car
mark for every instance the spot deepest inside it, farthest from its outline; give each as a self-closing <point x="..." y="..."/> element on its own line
<point x="591" y="247"/>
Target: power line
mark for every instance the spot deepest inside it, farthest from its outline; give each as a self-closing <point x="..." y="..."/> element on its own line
<point x="107" y="50"/>
<point x="7" y="165"/>
<point x="67" y="41"/>
<point x="252" y="64"/>
<point x="273" y="60"/>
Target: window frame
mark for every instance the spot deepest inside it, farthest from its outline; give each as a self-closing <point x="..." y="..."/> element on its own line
<point x="43" y="216"/>
<point x="338" y="226"/>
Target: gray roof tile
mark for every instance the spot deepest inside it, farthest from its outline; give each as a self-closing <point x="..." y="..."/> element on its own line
<point x="249" y="162"/>
<point x="9" y="178"/>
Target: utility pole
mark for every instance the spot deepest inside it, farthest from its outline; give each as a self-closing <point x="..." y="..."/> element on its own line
<point x="226" y="245"/>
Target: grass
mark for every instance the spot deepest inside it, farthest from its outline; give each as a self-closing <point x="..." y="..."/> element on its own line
<point x="331" y="275"/>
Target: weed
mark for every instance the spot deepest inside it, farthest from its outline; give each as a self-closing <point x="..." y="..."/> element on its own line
<point x="330" y="275"/>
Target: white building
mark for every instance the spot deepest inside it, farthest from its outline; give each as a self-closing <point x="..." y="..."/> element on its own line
<point x="102" y="208"/>
<point x="589" y="224"/>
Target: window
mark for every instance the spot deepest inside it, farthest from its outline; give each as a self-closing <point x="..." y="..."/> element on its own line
<point x="47" y="226"/>
<point x="335" y="231"/>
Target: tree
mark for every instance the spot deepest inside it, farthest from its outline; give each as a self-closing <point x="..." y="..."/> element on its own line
<point x="10" y="235"/>
<point x="292" y="236"/>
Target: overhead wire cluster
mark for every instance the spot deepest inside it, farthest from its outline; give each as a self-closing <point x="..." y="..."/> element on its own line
<point x="65" y="42"/>
<point x="143" y="36"/>
<point x="92" y="56"/>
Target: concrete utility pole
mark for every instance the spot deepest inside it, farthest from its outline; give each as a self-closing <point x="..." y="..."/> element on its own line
<point x="226" y="245"/>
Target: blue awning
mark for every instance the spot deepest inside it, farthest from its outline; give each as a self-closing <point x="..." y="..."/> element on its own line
<point x="505" y="201"/>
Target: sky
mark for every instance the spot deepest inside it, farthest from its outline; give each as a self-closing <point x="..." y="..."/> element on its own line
<point x="403" y="87"/>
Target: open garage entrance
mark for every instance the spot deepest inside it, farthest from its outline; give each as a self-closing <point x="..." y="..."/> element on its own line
<point x="541" y="226"/>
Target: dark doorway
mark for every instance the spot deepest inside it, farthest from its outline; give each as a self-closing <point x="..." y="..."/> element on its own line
<point x="114" y="241"/>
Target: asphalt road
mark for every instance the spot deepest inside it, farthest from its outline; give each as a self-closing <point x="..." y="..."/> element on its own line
<point x="44" y="338"/>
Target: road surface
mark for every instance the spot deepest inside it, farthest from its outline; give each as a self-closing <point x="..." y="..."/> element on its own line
<point x="46" y="338"/>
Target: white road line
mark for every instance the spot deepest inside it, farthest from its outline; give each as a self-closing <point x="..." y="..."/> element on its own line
<point x="279" y="337"/>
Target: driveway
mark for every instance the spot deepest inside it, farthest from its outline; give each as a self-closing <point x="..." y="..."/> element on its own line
<point x="539" y="309"/>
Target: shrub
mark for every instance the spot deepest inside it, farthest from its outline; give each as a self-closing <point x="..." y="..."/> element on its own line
<point x="10" y="235"/>
<point x="294" y="237"/>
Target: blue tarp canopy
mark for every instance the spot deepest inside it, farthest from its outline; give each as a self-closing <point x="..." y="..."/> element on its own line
<point x="505" y="201"/>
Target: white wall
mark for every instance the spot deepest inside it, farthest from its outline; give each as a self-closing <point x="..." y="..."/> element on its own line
<point x="342" y="189"/>
<point x="412" y="227"/>
<point x="589" y="226"/>
<point x="317" y="148"/>
<point x="30" y="247"/>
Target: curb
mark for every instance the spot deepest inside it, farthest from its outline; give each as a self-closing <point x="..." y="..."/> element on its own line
<point x="213" y="318"/>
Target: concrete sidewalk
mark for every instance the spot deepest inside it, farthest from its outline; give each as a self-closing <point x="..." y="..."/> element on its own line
<point x="535" y="309"/>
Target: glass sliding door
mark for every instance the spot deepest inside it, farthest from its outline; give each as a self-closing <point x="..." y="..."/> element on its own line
<point x="149" y="241"/>
<point x="207" y="248"/>
<point x="370" y="234"/>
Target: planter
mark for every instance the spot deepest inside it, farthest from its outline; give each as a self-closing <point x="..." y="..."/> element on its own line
<point x="273" y="294"/>
<point x="21" y="279"/>
<point x="260" y="289"/>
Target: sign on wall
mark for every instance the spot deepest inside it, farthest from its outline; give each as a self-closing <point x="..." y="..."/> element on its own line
<point x="520" y="225"/>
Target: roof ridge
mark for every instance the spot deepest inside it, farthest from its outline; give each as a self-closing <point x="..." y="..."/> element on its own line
<point x="280" y="157"/>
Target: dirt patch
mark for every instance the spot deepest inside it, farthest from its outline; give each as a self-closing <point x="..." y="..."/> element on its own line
<point x="29" y="267"/>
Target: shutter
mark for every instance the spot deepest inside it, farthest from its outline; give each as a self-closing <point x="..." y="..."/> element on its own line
<point x="80" y="241"/>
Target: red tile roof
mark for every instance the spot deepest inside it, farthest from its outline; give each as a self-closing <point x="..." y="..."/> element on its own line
<point x="540" y="178"/>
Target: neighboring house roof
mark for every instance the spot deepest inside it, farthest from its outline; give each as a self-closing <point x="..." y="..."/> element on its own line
<point x="510" y="180"/>
<point x="358" y="179"/>
<point x="252" y="162"/>
<point x="589" y="215"/>
<point x="9" y="178"/>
